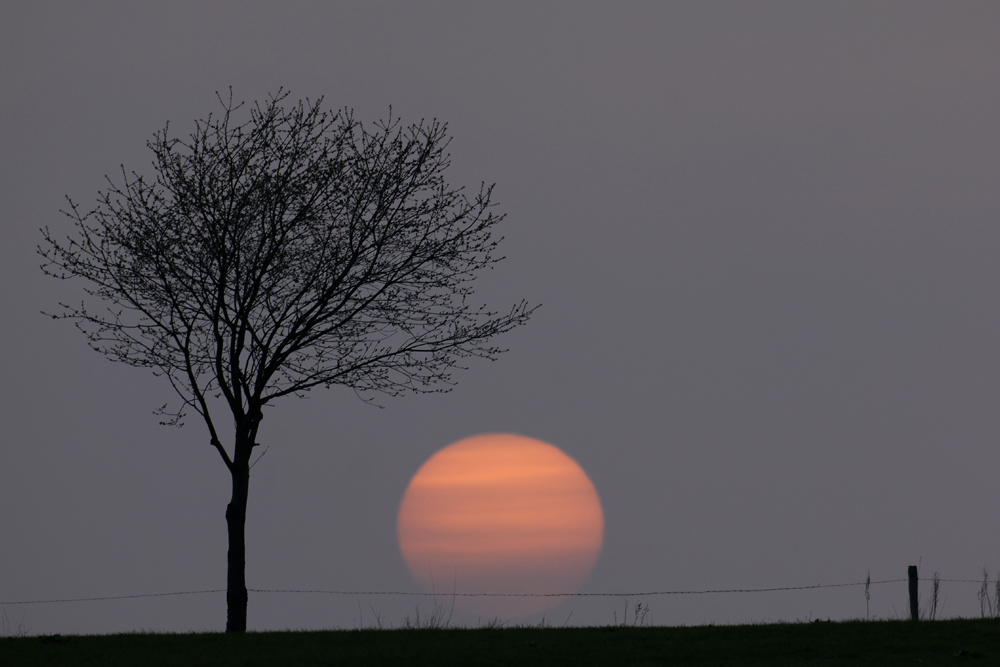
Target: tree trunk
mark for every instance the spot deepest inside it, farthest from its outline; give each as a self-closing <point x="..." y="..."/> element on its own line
<point x="236" y="518"/>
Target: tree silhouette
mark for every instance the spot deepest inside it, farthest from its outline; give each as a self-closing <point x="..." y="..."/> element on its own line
<point x="295" y="250"/>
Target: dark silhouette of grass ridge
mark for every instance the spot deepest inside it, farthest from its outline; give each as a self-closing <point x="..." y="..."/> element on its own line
<point x="819" y="642"/>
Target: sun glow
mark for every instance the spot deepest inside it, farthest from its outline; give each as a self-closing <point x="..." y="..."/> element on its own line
<point x="501" y="513"/>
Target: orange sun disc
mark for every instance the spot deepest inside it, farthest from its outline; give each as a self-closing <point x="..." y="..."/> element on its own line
<point x="501" y="513"/>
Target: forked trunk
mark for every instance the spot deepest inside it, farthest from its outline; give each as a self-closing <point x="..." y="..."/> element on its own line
<point x="236" y="518"/>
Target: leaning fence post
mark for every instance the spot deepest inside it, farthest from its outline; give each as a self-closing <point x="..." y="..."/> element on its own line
<point x="914" y="611"/>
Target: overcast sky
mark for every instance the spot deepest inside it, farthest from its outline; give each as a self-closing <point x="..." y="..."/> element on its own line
<point x="765" y="237"/>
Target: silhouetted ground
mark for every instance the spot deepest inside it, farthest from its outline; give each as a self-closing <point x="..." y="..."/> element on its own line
<point x="883" y="643"/>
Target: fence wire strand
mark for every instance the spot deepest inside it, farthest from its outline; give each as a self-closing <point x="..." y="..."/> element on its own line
<point x="711" y="591"/>
<point x="115" y="597"/>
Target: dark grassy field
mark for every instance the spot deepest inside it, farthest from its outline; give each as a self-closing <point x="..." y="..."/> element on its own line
<point x="820" y="643"/>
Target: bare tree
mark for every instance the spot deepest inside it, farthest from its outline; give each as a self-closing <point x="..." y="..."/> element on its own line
<point x="295" y="250"/>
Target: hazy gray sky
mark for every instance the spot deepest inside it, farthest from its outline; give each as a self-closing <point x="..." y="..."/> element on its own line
<point x="765" y="236"/>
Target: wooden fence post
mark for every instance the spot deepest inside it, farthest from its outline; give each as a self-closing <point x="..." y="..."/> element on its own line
<point x="914" y="611"/>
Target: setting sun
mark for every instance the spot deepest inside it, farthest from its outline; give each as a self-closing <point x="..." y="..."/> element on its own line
<point x="501" y="513"/>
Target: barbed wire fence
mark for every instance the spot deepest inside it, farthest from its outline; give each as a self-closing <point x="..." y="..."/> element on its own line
<point x="989" y="604"/>
<point x="627" y="594"/>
